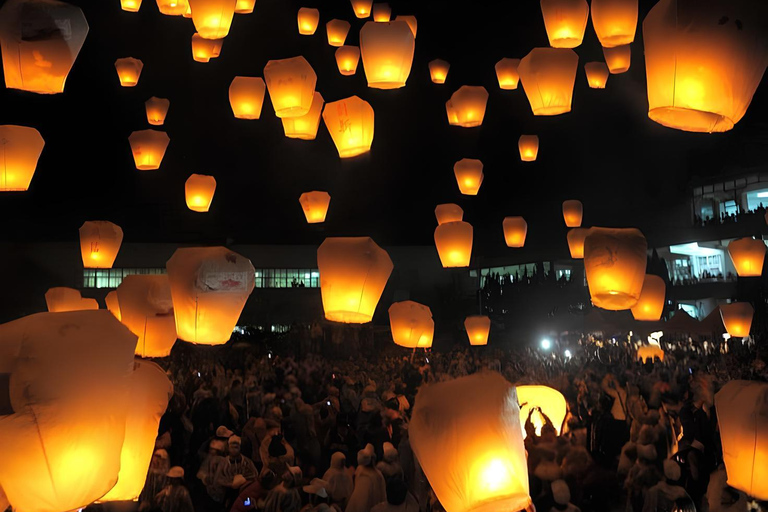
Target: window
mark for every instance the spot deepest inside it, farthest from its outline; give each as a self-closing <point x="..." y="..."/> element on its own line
<point x="287" y="278"/>
<point x="729" y="207"/>
<point x="565" y="272"/>
<point x="112" y="277"/>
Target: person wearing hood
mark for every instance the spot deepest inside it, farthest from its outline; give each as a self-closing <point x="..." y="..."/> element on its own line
<point x="398" y="498"/>
<point x="561" y="494"/>
<point x="285" y="496"/>
<point x="276" y="453"/>
<point x="370" y="487"/>
<point x="664" y="495"/>
<point x="339" y="480"/>
<point x="175" y="497"/>
<point x="156" y="481"/>
<point x="390" y="467"/>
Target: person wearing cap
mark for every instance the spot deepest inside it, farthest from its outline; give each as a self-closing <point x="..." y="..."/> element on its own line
<point x="370" y="486"/>
<point x="398" y="498"/>
<point x="217" y="449"/>
<point x="235" y="471"/>
<point x="339" y="480"/>
<point x="285" y="496"/>
<point x="319" y="498"/>
<point x="175" y="497"/>
<point x="562" y="497"/>
<point x="156" y="479"/>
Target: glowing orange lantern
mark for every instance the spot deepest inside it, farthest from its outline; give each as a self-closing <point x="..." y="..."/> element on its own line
<point x="737" y="318"/>
<point x="387" y="52"/>
<point x="212" y="18"/>
<point x="130" y="5"/>
<point x="204" y="50"/>
<point x="618" y="59"/>
<point x="350" y="123"/>
<point x="362" y="8"/>
<point x="515" y="231"/>
<point x="478" y="328"/>
<point x="453" y="241"/>
<point x="468" y="104"/>
<point x="576" y="237"/>
<point x="20" y="148"/>
<point x="573" y="213"/>
<point x="305" y="127"/>
<point x="61" y="300"/>
<point x="410" y="20"/>
<point x="747" y="255"/>
<point x="597" y="74"/>
<point x="650" y="353"/>
<point x="347" y="58"/>
<point x="199" y="190"/>
<point x="100" y="242"/>
<point x="507" y="73"/>
<point x="308" y="20"/>
<point x="381" y="12"/>
<point x="411" y="324"/>
<point x="469" y="175"/>
<point x="188" y="12"/>
<point x="448" y="213"/>
<point x="548" y="75"/>
<point x="157" y="109"/>
<point x="353" y="274"/>
<point x="438" y="71"/>
<point x="615" y="21"/>
<point x="650" y="305"/>
<point x="528" y="145"/>
<point x="565" y="21"/>
<point x="244" y="6"/>
<point x="453" y="117"/>
<point x="146" y="308"/>
<point x="128" y="71"/>
<point x="614" y="261"/>
<point x="246" y="96"/>
<point x="337" y="31"/>
<point x="548" y="401"/>
<point x="173" y="7"/>
<point x="315" y="205"/>
<point x="113" y="305"/>
<point x="291" y="86"/>
<point x="148" y="148"/>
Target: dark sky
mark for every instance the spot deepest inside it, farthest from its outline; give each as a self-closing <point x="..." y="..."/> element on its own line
<point x="606" y="152"/>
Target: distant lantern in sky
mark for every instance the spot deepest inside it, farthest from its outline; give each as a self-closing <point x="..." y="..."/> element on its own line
<point x="573" y="213"/>
<point x="308" y="20"/>
<point x="246" y="96"/>
<point x="381" y="12"/>
<point x="113" y="304"/>
<point x="747" y="255"/>
<point x="362" y="8"/>
<point x="37" y="52"/>
<point x="128" y="71"/>
<point x="410" y="20"/>
<point x="350" y="122"/>
<point x="448" y="212"/>
<point x="20" y="148"/>
<point x="347" y="58"/>
<point x="198" y="191"/>
<point x="337" y="31"/>
<point x="478" y="328"/>
<point x="204" y="50"/>
<point x="548" y="75"/>
<point x="61" y="299"/>
<point x="130" y="5"/>
<point x="453" y="241"/>
<point x="244" y="6"/>
<point x="469" y="175"/>
<point x="353" y="274"/>
<point x="576" y="238"/>
<point x="315" y="205"/>
<point x="703" y="62"/>
<point x="737" y="318"/>
<point x="515" y="231"/>
<point x="507" y="73"/>
<point x="548" y="401"/>
<point x="650" y="305"/>
<point x="438" y="70"/>
<point x="411" y="324"/>
<point x="615" y="261"/>
<point x="305" y="127"/>
<point x="648" y="353"/>
<point x="528" y="145"/>
<point x="146" y="308"/>
<point x="615" y="21"/>
<point x="173" y="7"/>
<point x="157" y="109"/>
<point x="565" y="21"/>
<point x="148" y="148"/>
<point x="468" y="104"/>
<point x="209" y="287"/>
<point x="387" y="53"/>
<point x="618" y="58"/>
<point x="100" y="242"/>
<point x="291" y="85"/>
<point x="212" y="18"/>
<point x="597" y="74"/>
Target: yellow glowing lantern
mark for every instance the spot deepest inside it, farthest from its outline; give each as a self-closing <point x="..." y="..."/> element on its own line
<point x="550" y="402"/>
<point x="20" y="148"/>
<point x="305" y="127"/>
<point x="468" y="104"/>
<point x="597" y="74"/>
<point x="648" y="353"/>
<point x="353" y="274"/>
<point x="565" y="21"/>
<point x="308" y="20"/>
<point x="100" y="242"/>
<point x="453" y="241"/>
<point x="448" y="213"/>
<point x="244" y="6"/>
<point x="113" y="304"/>
<point x="157" y="109"/>
<point x="40" y="40"/>
<point x="387" y="52"/>
<point x="130" y="5"/>
<point x="747" y="255"/>
<point x="209" y="287"/>
<point x="478" y="328"/>
<point x="615" y="21"/>
<point x="573" y="213"/>
<point x="469" y="175"/>
<point x="128" y="71"/>
<point x="350" y="123"/>
<point x="347" y="58"/>
<point x="188" y="12"/>
<point x="528" y="145"/>
<point x="438" y="71"/>
<point x="148" y="148"/>
<point x="212" y="18"/>
<point x="217" y="44"/>
<point x="743" y="419"/>
<point x="507" y="73"/>
<point x="703" y="63"/>
<point x="453" y="118"/>
<point x="615" y="261"/>
<point x="411" y="324"/>
<point x="173" y="7"/>
<point x="381" y="12"/>
<point x="146" y="308"/>
<point x="737" y="318"/>
<point x="198" y="191"/>
<point x="548" y="75"/>
<point x="61" y="300"/>
<point x="315" y="205"/>
<point x="204" y="50"/>
<point x="291" y="85"/>
<point x="576" y="238"/>
<point x="410" y="20"/>
<point x="246" y="96"/>
<point x="362" y="8"/>
<point x="650" y="305"/>
<point x="618" y="59"/>
<point x="515" y="231"/>
<point x="337" y="31"/>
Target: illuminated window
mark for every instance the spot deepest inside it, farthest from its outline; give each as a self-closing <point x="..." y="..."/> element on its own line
<point x="287" y="278"/>
<point x="112" y="277"/>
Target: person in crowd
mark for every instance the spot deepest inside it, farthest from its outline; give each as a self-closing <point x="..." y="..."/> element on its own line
<point x="370" y="487"/>
<point x="285" y="497"/>
<point x="390" y="467"/>
<point x="175" y="497"/>
<point x="398" y="498"/>
<point x="561" y="496"/>
<point x="157" y="479"/>
<point x="339" y="479"/>
<point x="234" y="471"/>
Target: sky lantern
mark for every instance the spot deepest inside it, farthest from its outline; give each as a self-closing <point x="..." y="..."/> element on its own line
<point x="528" y="145"/>
<point x="113" y="304"/>
<point x="469" y="175"/>
<point x="507" y="74"/>
<point x="157" y="109"/>
<point x="648" y="353"/>
<point x="61" y="299"/>
<point x="743" y="419"/>
<point x="381" y="12"/>
<point x="198" y="192"/>
<point x="244" y="6"/>
<point x="148" y="148"/>
<point x="353" y="274"/>
<point x="362" y="8"/>
<point x="515" y="231"/>
<point x="453" y="241"/>
<point x="747" y="255"/>
<point x="487" y="470"/>
<point x="246" y="96"/>
<point x="737" y="318"/>
<point x="128" y="71"/>
<point x="411" y="324"/>
<point x="469" y="104"/>
<point x="37" y="53"/>
<point x="146" y="308"/>
<point x="20" y="148"/>
<point x="618" y="58"/>
<point x="597" y="74"/>
<point x="188" y="12"/>
<point x="615" y="21"/>
<point x="217" y="45"/>
<point x="565" y="21"/>
<point x="305" y="127"/>
<point x="410" y="20"/>
<point x="204" y="50"/>
<point x="438" y="70"/>
<point x="337" y="31"/>
<point x="100" y="242"/>
<point x="614" y="261"/>
<point x="453" y="117"/>
<point x="650" y="305"/>
<point x="550" y="401"/>
<point x="478" y="328"/>
<point x="350" y="123"/>
<point x="291" y="85"/>
<point x="130" y="5"/>
<point x="548" y="75"/>
<point x="308" y="20"/>
<point x="703" y="62"/>
<point x="448" y="212"/>
<point x="387" y="52"/>
<point x="315" y="205"/>
<point x="209" y="287"/>
<point x="573" y="213"/>
<point x="212" y="18"/>
<point x="347" y="58"/>
<point x="576" y="238"/>
<point x="173" y="7"/>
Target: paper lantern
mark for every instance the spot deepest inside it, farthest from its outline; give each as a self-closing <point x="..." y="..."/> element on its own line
<point x="478" y="328"/>
<point x="448" y="213"/>
<point x="212" y="18"/>
<point x="146" y="308"/>
<point x="469" y="175"/>
<point x="410" y="20"/>
<point x="350" y="123"/>
<point x="381" y="12"/>
<point x="648" y="353"/>
<point x="650" y="305"/>
<point x="515" y="231"/>
<point x="576" y="237"/>
<point x="244" y="6"/>
<point x="157" y="109"/>
<point x="528" y="145"/>
<point x="597" y="74"/>
<point x="411" y="324"/>
<point x="209" y="287"/>
<point x="188" y="12"/>
<point x="291" y="86"/>
<point x="703" y="62"/>
<point x="454" y="243"/>
<point x="20" y="148"/>
<point x="548" y="75"/>
<point x="362" y="8"/>
<point x="565" y="21"/>
<point x="40" y="40"/>
<point x="353" y="274"/>
<point x="438" y="70"/>
<point x="204" y="50"/>
<point x="618" y="59"/>
<point x="453" y="118"/>
<point x="308" y="20"/>
<point x="547" y="400"/>
<point x="387" y="52"/>
<point x="747" y="255"/>
<point x="614" y="261"/>
<point x="61" y="300"/>
<point x="198" y="191"/>
<point x="337" y="31"/>
<point x="315" y="205"/>
<point x="507" y="73"/>
<point x="737" y="318"/>
<point x="246" y="96"/>
<point x="128" y="71"/>
<point x="305" y="127"/>
<point x="573" y="212"/>
<point x="347" y="58"/>
<point x="100" y="242"/>
<point x="173" y="7"/>
<point x="742" y="414"/>
<point x="130" y="5"/>
<point x="615" y="21"/>
<point x="113" y="304"/>
<point x="468" y="104"/>
<point x="148" y="148"/>
<point x="487" y="469"/>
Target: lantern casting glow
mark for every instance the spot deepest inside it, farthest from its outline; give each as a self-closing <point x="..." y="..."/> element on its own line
<point x="305" y="127"/>
<point x="548" y="75"/>
<point x="128" y="71"/>
<point x="515" y="231"/>
<point x="113" y="305"/>
<point x="291" y="85"/>
<point x="61" y="300"/>
<point x="315" y="205"/>
<point x="550" y="401"/>
<point x="347" y="58"/>
<point x="597" y="74"/>
<point x="618" y="59"/>
<point x="130" y="5"/>
<point x="438" y="71"/>
<point x="308" y="20"/>
<point x="573" y="213"/>
<point x="173" y="7"/>
<point x="212" y="18"/>
<point x="204" y="50"/>
<point x="198" y="191"/>
<point x="362" y="8"/>
<point x="448" y="213"/>
<point x="148" y="148"/>
<point x="615" y="21"/>
<point x="648" y="353"/>
<point x="387" y="53"/>
<point x="20" y="148"/>
<point x="244" y="6"/>
<point x="146" y="308"/>
<point x="650" y="305"/>
<point x="100" y="242"/>
<point x="747" y="255"/>
<point x="565" y="21"/>
<point x="453" y="241"/>
<point x="469" y="175"/>
<point x="381" y="12"/>
<point x="737" y="318"/>
<point x="528" y="145"/>
<point x="478" y="328"/>
<point x="410" y="20"/>
<point x="350" y="123"/>
<point x="507" y="73"/>
<point x="411" y="324"/>
<point x="337" y="31"/>
<point x="157" y="109"/>
<point x="576" y="237"/>
<point x="246" y="96"/>
<point x="615" y="261"/>
<point x="468" y="105"/>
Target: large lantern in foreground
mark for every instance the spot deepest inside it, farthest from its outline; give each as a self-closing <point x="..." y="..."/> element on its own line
<point x="128" y="71"/>
<point x="548" y="75"/>
<point x="411" y="324"/>
<point x="453" y="241"/>
<point x="20" y="148"/>
<point x="618" y="58"/>
<point x="157" y="109"/>
<point x="40" y="40"/>
<point x="565" y="21"/>
<point x="209" y="287"/>
<point x="212" y="18"/>
<point x="387" y="53"/>
<point x="650" y="305"/>
<point x="507" y="73"/>
<point x="747" y="255"/>
<point x="487" y="470"/>
<point x="614" y="261"/>
<point x="410" y="20"/>
<point x="305" y="127"/>
<point x="308" y="19"/>
<point x="528" y="145"/>
<point x="650" y="353"/>
<point x="597" y="74"/>
<point x="576" y="237"/>
<point x="100" y="242"/>
<point x="549" y="401"/>
<point x="438" y="70"/>
<point x="198" y="192"/>
<point x="113" y="304"/>
<point x="615" y="21"/>
<point x="291" y="85"/>
<point x="315" y="205"/>
<point x="246" y="96"/>
<point x="350" y="123"/>
<point x="353" y="274"/>
<point x="337" y="31"/>
<point x="347" y="58"/>
<point x="148" y="148"/>
<point x="362" y="8"/>
<point x="468" y="104"/>
<point x="448" y="212"/>
<point x="478" y="328"/>
<point x="573" y="212"/>
<point x="146" y="308"/>
<point x="381" y="12"/>
<point x="469" y="175"/>
<point x="515" y="231"/>
<point x="737" y="318"/>
<point x="61" y="300"/>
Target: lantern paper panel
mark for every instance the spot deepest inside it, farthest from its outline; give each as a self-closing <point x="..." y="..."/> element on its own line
<point x="438" y="71"/>
<point x="337" y="31"/>
<point x="130" y="5"/>
<point x="362" y="8"/>
<point x="411" y="324"/>
<point x="550" y="401"/>
<point x="387" y="53"/>
<point x="548" y="76"/>
<point x="573" y="213"/>
<point x="308" y="20"/>
<point x="469" y="175"/>
<point x="565" y="21"/>
<point x="528" y="145"/>
<point x="347" y="58"/>
<point x="615" y="21"/>
<point x="597" y="74"/>
<point x="515" y="231"/>
<point x="350" y="122"/>
<point x="747" y="255"/>
<point x="291" y="85"/>
<point x="148" y="148"/>
<point x="128" y="71"/>
<point x="188" y="12"/>
<point x="737" y="318"/>
<point x="212" y="18"/>
<point x="448" y="212"/>
<point x="244" y="6"/>
<point x="648" y="353"/>
<point x="113" y="304"/>
<point x="20" y="148"/>
<point x="507" y="73"/>
<point x="410" y="20"/>
<point x="467" y="106"/>
<point x="650" y="305"/>
<point x="204" y="50"/>
<point x="478" y="328"/>
<point x="618" y="58"/>
<point x="614" y="262"/>
<point x="305" y="127"/>
<point x="453" y="241"/>
<point x="146" y="308"/>
<point x="198" y="192"/>
<point x="173" y="7"/>
<point x="246" y="96"/>
<point x="576" y="237"/>
<point x="157" y="109"/>
<point x="62" y="299"/>
<point x="100" y="242"/>
<point x="315" y="205"/>
<point x="381" y="12"/>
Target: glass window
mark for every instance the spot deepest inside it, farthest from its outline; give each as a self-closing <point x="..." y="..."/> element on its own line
<point x="287" y="278"/>
<point x="112" y="277"/>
